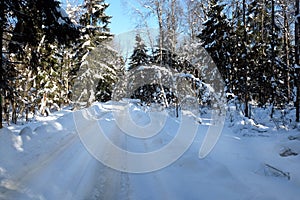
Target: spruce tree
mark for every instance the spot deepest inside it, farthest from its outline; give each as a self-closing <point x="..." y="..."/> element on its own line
<point x="265" y="47"/>
<point x="96" y="73"/>
<point x="165" y="58"/>
<point x="36" y="23"/>
<point x="139" y="56"/>
<point x="215" y="37"/>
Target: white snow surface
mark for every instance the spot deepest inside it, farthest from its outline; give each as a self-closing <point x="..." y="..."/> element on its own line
<point x="46" y="160"/>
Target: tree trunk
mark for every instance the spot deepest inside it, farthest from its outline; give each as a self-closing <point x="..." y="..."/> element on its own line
<point x="14" y="111"/>
<point x="286" y="49"/>
<point x="273" y="59"/>
<point x="159" y="11"/>
<point x="1" y="111"/>
<point x="6" y="110"/>
<point x="246" y="95"/>
<point x="173" y="25"/>
<point x="297" y="54"/>
<point x="43" y="104"/>
<point x="1" y="61"/>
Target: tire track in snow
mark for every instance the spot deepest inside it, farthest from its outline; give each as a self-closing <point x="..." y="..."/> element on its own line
<point x="44" y="180"/>
<point x="114" y="185"/>
<point x="22" y="177"/>
<point x="89" y="179"/>
<point x="153" y="182"/>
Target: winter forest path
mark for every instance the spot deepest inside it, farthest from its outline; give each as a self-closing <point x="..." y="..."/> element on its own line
<point x="68" y="171"/>
<point x="235" y="169"/>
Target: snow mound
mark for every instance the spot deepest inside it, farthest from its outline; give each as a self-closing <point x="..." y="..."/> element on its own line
<point x="26" y="134"/>
<point x="140" y="117"/>
<point x="49" y="127"/>
<point x="26" y="131"/>
<point x="10" y="147"/>
<point x="298" y="126"/>
<point x="247" y="127"/>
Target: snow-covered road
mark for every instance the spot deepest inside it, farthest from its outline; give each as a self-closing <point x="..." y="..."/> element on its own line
<point x="51" y="162"/>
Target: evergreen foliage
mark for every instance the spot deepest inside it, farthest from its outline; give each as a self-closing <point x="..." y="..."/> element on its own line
<point x="43" y="50"/>
<point x="215" y="37"/>
<point x="65" y="56"/>
<point x="250" y="55"/>
<point x="29" y="31"/>
<point x="162" y="69"/>
<point x="97" y="61"/>
<point x="139" y="56"/>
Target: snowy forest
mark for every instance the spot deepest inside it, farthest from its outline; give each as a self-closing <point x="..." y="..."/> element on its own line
<point x="58" y="56"/>
<point x="200" y="101"/>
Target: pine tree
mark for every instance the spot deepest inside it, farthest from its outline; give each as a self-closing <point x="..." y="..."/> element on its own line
<point x="53" y="74"/>
<point x="111" y="65"/>
<point x="165" y="58"/>
<point x="95" y="73"/>
<point x="297" y="59"/>
<point x="95" y="22"/>
<point x="36" y="22"/>
<point x="3" y="78"/>
<point x="287" y="58"/>
<point x="264" y="54"/>
<point x="139" y="56"/>
<point x="215" y="37"/>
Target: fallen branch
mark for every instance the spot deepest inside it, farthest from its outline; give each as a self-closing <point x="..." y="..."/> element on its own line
<point x="277" y="172"/>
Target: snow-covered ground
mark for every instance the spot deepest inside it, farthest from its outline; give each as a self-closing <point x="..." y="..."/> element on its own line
<point x="46" y="159"/>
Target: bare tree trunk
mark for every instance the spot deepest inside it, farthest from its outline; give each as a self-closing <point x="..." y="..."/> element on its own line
<point x="273" y="36"/>
<point x="193" y="17"/>
<point x="173" y="26"/>
<point x="1" y="61"/>
<point x="273" y="97"/>
<point x="246" y="111"/>
<point x="1" y="111"/>
<point x="14" y="111"/>
<point x="25" y="95"/>
<point x="159" y="10"/>
<point x="44" y="105"/>
<point x="6" y="110"/>
<point x="286" y="48"/>
<point x="262" y="23"/>
<point x="26" y="112"/>
<point x="297" y="54"/>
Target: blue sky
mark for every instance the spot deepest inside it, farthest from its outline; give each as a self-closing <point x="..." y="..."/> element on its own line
<point x="122" y="20"/>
